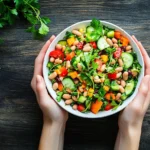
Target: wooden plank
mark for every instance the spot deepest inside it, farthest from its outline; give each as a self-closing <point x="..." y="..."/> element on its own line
<point x="20" y="116"/>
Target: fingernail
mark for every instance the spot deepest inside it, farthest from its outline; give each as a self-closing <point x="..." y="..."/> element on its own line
<point x="53" y="36"/>
<point x="38" y="78"/>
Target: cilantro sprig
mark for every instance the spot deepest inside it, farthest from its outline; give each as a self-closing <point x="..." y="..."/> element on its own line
<point x="10" y="10"/>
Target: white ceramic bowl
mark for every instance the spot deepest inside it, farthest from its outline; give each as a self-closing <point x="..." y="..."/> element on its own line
<point x="68" y="107"/>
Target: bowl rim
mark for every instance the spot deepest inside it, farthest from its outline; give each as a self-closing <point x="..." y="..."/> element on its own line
<point x="110" y="112"/>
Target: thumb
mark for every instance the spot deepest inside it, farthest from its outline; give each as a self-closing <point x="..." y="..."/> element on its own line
<point x="40" y="87"/>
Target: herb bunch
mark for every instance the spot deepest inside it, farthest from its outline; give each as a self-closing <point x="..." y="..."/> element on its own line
<point x="10" y="10"/>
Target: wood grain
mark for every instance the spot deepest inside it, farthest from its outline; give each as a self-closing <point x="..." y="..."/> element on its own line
<point x="20" y="116"/>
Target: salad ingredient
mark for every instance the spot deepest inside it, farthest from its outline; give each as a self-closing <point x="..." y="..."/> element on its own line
<point x="128" y="48"/>
<point x="110" y="96"/>
<point x="82" y="99"/>
<point x="70" y="56"/>
<point x="123" y="83"/>
<point x="121" y="89"/>
<point x="56" y="54"/>
<point x="80" y="45"/>
<point x="125" y="75"/>
<point x="68" y="83"/>
<point x="102" y="43"/>
<point x="106" y="88"/>
<point x="127" y="59"/>
<point x="76" y="32"/>
<point x="70" y="41"/>
<point x="55" y="86"/>
<point x="104" y="58"/>
<point x="109" y="41"/>
<point x="121" y="64"/>
<point x="52" y="75"/>
<point x="62" y="42"/>
<point x="114" y="86"/>
<point x="68" y="101"/>
<point x="114" y="40"/>
<point x="75" y="106"/>
<point x="117" y="53"/>
<point x="90" y="29"/>
<point x="118" y="96"/>
<point x="66" y="96"/>
<point x="92" y="70"/>
<point x="94" y="45"/>
<point x="60" y="86"/>
<point x="124" y="41"/>
<point x="117" y="35"/>
<point x="129" y="87"/>
<point x="112" y="76"/>
<point x="96" y="106"/>
<point x="73" y="74"/>
<point x="108" y="107"/>
<point x="110" y="34"/>
<point x="81" y="107"/>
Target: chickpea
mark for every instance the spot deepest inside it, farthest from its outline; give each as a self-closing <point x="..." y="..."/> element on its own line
<point x="52" y="59"/>
<point x="55" y="86"/>
<point x="118" y="96"/>
<point x="52" y="75"/>
<point x="128" y="48"/>
<point x="58" y="46"/>
<point x="66" y="96"/>
<point x="114" y="40"/>
<point x="125" y="75"/>
<point x="76" y="32"/>
<point x="68" y="102"/>
<point x="121" y="89"/>
<point x="75" y="106"/>
<point x="123" y="83"/>
<point x="120" y="62"/>
<point x="109" y="41"/>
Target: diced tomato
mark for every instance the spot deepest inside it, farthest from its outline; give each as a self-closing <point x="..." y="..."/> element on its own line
<point x="117" y="53"/>
<point x="63" y="71"/>
<point x="80" y="45"/>
<point x="108" y="107"/>
<point x="80" y="107"/>
<point x="94" y="45"/>
<point x="112" y="76"/>
<point x="70" y="56"/>
<point x="57" y="54"/>
<point x="117" y="35"/>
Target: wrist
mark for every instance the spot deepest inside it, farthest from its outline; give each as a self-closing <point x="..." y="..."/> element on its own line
<point x="128" y="139"/>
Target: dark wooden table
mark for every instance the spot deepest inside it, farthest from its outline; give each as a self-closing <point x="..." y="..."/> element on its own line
<point x="20" y="116"/>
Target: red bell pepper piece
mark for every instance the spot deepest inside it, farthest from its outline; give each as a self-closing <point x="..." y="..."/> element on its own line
<point x="112" y="76"/>
<point x="80" y="107"/>
<point x="94" y="45"/>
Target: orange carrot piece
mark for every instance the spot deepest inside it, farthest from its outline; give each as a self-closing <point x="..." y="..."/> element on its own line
<point x="124" y="41"/>
<point x="110" y="96"/>
<point x="96" y="106"/>
<point x="60" y="86"/>
<point x="117" y="35"/>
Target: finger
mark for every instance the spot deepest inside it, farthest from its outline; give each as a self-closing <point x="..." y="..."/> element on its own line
<point x="134" y="38"/>
<point x="142" y="92"/>
<point x="40" y="57"/>
<point x="147" y="100"/>
<point x="145" y="56"/>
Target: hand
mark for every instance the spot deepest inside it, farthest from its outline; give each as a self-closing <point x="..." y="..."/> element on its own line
<point x="131" y="118"/>
<point x="51" y="111"/>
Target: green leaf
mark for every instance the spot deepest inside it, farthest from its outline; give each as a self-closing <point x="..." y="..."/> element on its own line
<point x="59" y="96"/>
<point x="94" y="65"/>
<point x="14" y="12"/>
<point x="31" y="18"/>
<point x="46" y="20"/>
<point x="43" y="29"/>
<point x="86" y="78"/>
